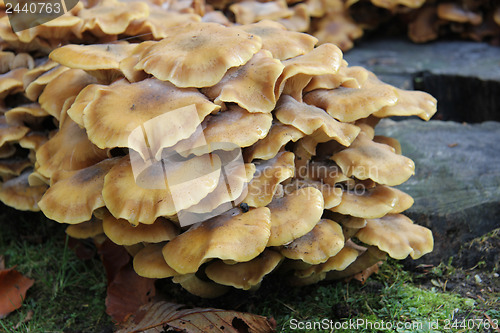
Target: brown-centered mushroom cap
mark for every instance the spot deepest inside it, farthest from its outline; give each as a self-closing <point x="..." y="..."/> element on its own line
<point x="226" y="130"/>
<point x="367" y="159"/>
<point x="198" y="54"/>
<point x="308" y="119"/>
<point x="410" y="103"/>
<point x="119" y="109"/>
<point x="149" y="262"/>
<point x="199" y="287"/>
<point x="244" y="275"/>
<point x="267" y="177"/>
<point x="251" y="11"/>
<point x="68" y="149"/>
<point x="283" y="44"/>
<point x="121" y="232"/>
<point x="17" y="193"/>
<point x="251" y="86"/>
<point x="232" y="235"/>
<point x="324" y="241"/>
<point x="87" y="229"/>
<point x="74" y="195"/>
<point x="66" y="85"/>
<point x="144" y="198"/>
<point x="396" y="235"/>
<point x="267" y="148"/>
<point x="294" y="215"/>
<point x="372" y="203"/>
<point x="350" y="104"/>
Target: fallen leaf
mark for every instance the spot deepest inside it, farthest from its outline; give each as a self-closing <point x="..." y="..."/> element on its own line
<point x="364" y="275"/>
<point x="127" y="291"/>
<point x="163" y="316"/>
<point x="13" y="287"/>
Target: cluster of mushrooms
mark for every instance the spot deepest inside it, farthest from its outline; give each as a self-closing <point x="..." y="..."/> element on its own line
<point x="128" y="141"/>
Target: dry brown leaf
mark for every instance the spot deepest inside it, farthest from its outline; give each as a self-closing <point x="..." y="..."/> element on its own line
<point x="365" y="274"/>
<point x="13" y="287"/>
<point x="163" y="316"/>
<point x="127" y="291"/>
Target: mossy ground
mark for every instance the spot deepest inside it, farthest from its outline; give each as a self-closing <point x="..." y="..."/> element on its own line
<point x="69" y="293"/>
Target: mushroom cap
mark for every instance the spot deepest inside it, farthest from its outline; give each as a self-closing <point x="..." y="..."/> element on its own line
<point x="251" y="85"/>
<point x="74" y="195"/>
<point x="282" y="43"/>
<point x="308" y="119"/>
<point x="346" y="256"/>
<point x="68" y="149"/>
<point x="394" y="143"/>
<point x="350" y="104"/>
<point x="6" y="58"/>
<point x="331" y="195"/>
<point x="84" y="97"/>
<point x="35" y="87"/>
<point x="396" y="235"/>
<point x="17" y="193"/>
<point x="268" y="175"/>
<point x="144" y="196"/>
<point x="34" y="140"/>
<point x="198" y="54"/>
<point x="367" y="159"/>
<point x="12" y="82"/>
<point x="392" y="4"/>
<point x="13" y="166"/>
<point x="279" y="135"/>
<point x="149" y="262"/>
<point x="294" y="215"/>
<point x="87" y="229"/>
<point x="372" y="203"/>
<point x="244" y="275"/>
<point x="121" y="232"/>
<point x="410" y="103"/>
<point x="338" y="28"/>
<point x="298" y="71"/>
<point x="425" y="24"/>
<point x="128" y="63"/>
<point x="454" y="12"/>
<point x="333" y="81"/>
<point x="251" y="11"/>
<point x="232" y="235"/>
<point x="30" y="115"/>
<point x="122" y="107"/>
<point x="7" y="150"/>
<point x="299" y="21"/>
<point x="225" y="130"/>
<point x="37" y="71"/>
<point x="66" y="85"/>
<point x="198" y="287"/>
<point x="322" y="242"/>
<point x="9" y="133"/>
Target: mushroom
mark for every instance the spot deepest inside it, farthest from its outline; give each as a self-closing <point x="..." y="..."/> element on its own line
<point x="121" y="232"/>
<point x="17" y="193"/>
<point x="244" y="275"/>
<point x="232" y="235"/>
<point x="410" y="103"/>
<point x="456" y="13"/>
<point x="198" y="54"/>
<point x="74" y="195"/>
<point x="250" y="11"/>
<point x="339" y="29"/>
<point x="299" y="21"/>
<point x="294" y="215"/>
<point x="12" y="82"/>
<point x="324" y="241"/>
<point x="87" y="229"/>
<point x="368" y="258"/>
<point x="198" y="287"/>
<point x="33" y="88"/>
<point x="396" y="235"/>
<point x="149" y="263"/>
<point x="282" y="43"/>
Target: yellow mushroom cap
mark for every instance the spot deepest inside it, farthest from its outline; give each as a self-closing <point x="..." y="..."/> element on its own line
<point x="267" y="177"/>
<point x="10" y="133"/>
<point x="396" y="235"/>
<point x="331" y="195"/>
<point x="84" y="97"/>
<point x="244" y="275"/>
<point x="324" y="241"/>
<point x="308" y="119"/>
<point x="122" y="107"/>
<point x="367" y="159"/>
<point x="74" y="195"/>
<point x="198" y="54"/>
<point x="410" y="103"/>
<point x="34" y="88"/>
<point x="121" y="232"/>
<point x="12" y="82"/>
<point x="282" y="43"/>
<point x="17" y="193"/>
<point x="85" y="229"/>
<point x="350" y="104"/>
<point x="278" y="136"/>
<point x="250" y="11"/>
<point x="199" y="287"/>
<point x="251" y="86"/>
<point x="230" y="236"/>
<point x="370" y="203"/>
<point x="294" y="215"/>
<point x="30" y="115"/>
<point x="68" y="149"/>
<point x="149" y="262"/>
<point x="145" y="196"/>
